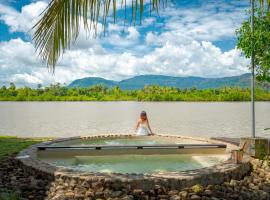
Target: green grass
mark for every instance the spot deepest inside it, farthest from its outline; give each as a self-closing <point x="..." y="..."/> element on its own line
<point x="10" y="145"/>
<point x="8" y="196"/>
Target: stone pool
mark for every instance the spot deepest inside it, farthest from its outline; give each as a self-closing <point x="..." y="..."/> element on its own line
<point x="130" y="162"/>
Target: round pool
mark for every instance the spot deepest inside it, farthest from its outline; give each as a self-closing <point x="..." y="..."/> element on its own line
<point x="134" y="161"/>
<point x="137" y="163"/>
<point x="133" y="154"/>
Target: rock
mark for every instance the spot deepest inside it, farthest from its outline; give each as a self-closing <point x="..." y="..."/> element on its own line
<point x="209" y="187"/>
<point x="117" y="185"/>
<point x="152" y="192"/>
<point x="89" y="193"/>
<point x="115" y="194"/>
<point x="163" y="196"/>
<point x="173" y="192"/>
<point x="266" y="188"/>
<point x="157" y="187"/>
<point x="262" y="175"/>
<point x="69" y="194"/>
<point x="99" y="194"/>
<point x="227" y="184"/>
<point x="217" y="187"/>
<point x="183" y="194"/>
<point x="175" y="197"/>
<point x="60" y="187"/>
<point x="267" y="168"/>
<point x="58" y="197"/>
<point x="233" y="183"/>
<point x="96" y="185"/>
<point x="128" y="197"/>
<point x="79" y="196"/>
<point x="208" y="192"/>
<point x="195" y="197"/>
<point x="251" y="185"/>
<point x="264" y="195"/>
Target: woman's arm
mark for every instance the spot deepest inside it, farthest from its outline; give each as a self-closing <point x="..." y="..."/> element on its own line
<point x="148" y="125"/>
<point x="137" y="126"/>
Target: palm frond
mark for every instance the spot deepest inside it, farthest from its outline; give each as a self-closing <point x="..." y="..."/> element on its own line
<point x="60" y="24"/>
<point x="265" y="5"/>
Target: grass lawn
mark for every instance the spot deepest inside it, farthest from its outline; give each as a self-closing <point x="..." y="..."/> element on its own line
<point x="10" y="145"/>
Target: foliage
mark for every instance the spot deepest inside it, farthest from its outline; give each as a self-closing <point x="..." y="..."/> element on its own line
<point x="260" y="44"/>
<point x="197" y="188"/>
<point x="148" y="93"/>
<point x="11" y="145"/>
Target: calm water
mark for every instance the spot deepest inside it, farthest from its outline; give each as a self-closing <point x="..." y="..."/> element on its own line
<point x="62" y="119"/>
<point x="136" y="163"/>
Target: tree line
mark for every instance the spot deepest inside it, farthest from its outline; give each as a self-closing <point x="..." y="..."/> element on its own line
<point x="56" y="92"/>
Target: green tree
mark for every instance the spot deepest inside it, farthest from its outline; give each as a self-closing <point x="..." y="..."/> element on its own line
<point x="12" y="86"/>
<point x="261" y="44"/>
<point x="12" y="89"/>
<point x="39" y="86"/>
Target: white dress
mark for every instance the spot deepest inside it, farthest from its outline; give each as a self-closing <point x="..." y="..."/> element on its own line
<point x="143" y="129"/>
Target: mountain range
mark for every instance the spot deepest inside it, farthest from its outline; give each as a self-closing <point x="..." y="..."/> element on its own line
<point x="138" y="82"/>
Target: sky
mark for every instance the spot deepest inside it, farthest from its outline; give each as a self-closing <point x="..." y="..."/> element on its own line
<point x="186" y="38"/>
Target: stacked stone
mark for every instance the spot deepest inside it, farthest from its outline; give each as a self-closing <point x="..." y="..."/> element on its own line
<point x="13" y="179"/>
<point x="256" y="185"/>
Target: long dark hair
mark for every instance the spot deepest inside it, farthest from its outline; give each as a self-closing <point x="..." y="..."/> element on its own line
<point x="143" y="114"/>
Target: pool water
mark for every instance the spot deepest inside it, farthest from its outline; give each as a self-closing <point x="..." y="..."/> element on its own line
<point x="137" y="163"/>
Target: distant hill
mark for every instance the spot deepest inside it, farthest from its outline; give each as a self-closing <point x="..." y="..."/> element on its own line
<point x="138" y="82"/>
<point x="87" y="82"/>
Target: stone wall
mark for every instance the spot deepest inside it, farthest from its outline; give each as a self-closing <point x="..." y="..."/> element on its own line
<point x="83" y="187"/>
<point x="67" y="184"/>
<point x="32" y="185"/>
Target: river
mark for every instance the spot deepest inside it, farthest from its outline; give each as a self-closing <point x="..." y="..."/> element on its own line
<point x="65" y="119"/>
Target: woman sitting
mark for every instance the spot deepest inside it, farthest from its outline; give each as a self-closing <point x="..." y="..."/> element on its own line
<point x="143" y="127"/>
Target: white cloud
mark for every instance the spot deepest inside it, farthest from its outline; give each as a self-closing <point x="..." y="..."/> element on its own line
<point x="133" y="34"/>
<point x="181" y="46"/>
<point x="211" y="21"/>
<point x="21" y="21"/>
<point x="21" y="79"/>
<point x="191" y="59"/>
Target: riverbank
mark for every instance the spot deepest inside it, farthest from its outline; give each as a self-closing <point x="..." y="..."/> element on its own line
<point x="15" y="183"/>
<point x="148" y="93"/>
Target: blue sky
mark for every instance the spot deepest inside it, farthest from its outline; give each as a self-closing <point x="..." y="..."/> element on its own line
<point x="188" y="38"/>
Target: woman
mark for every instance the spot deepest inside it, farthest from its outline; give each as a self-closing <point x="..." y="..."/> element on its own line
<point x="143" y="127"/>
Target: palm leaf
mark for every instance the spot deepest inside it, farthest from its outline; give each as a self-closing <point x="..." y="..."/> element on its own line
<point x="264" y="3"/>
<point x="60" y="24"/>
